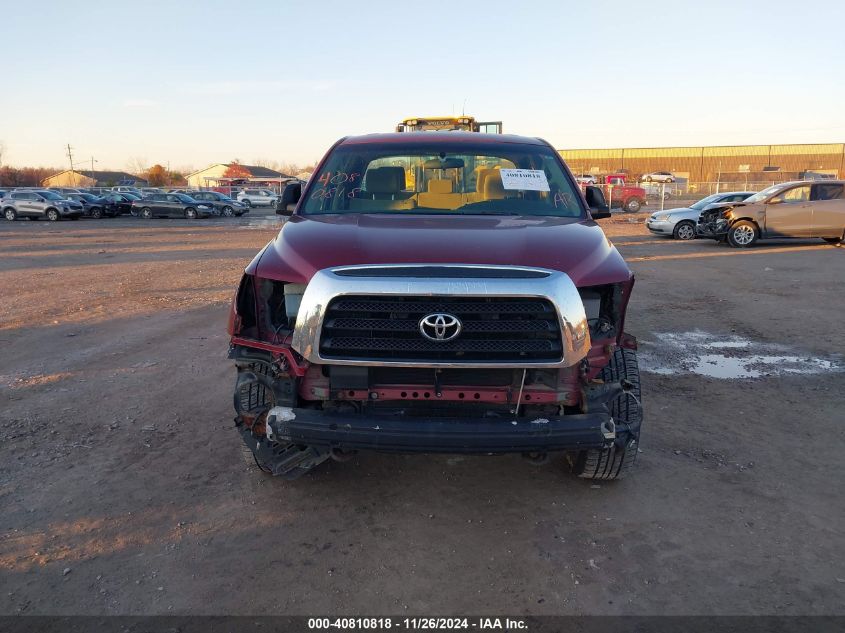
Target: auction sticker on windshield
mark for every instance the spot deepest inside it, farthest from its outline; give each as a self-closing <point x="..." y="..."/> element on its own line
<point x="525" y="179"/>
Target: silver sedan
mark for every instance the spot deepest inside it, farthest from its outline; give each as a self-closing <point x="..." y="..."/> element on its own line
<point x="680" y="223"/>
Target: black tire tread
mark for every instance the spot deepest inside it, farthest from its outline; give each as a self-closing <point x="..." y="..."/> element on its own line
<point x="615" y="462"/>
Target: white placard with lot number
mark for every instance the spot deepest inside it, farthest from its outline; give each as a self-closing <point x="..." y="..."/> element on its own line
<point x="526" y="179"/>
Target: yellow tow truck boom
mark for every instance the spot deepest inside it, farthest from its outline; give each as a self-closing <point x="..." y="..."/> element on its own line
<point x="446" y="123"/>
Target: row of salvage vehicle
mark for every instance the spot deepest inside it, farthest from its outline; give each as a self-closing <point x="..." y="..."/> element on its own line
<point x="798" y="209"/>
<point x="72" y="204"/>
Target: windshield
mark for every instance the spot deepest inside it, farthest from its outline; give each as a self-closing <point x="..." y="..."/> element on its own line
<point x="698" y="206"/>
<point x="760" y="196"/>
<point x="87" y="196"/>
<point x="456" y="178"/>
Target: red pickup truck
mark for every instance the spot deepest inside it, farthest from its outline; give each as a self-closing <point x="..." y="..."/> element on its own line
<point x="443" y="292"/>
<point x="620" y="194"/>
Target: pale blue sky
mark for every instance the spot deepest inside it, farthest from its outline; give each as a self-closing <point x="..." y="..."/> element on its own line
<point x="200" y="82"/>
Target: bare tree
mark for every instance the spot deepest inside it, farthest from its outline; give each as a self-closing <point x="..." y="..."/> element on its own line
<point x="2" y="151"/>
<point x="137" y="165"/>
<point x="266" y="162"/>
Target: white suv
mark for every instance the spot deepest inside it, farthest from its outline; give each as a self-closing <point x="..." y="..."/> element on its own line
<point x="658" y="176"/>
<point x="258" y="197"/>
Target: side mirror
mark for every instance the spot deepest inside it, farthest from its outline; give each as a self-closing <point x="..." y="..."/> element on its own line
<point x="596" y="202"/>
<point x="290" y="196"/>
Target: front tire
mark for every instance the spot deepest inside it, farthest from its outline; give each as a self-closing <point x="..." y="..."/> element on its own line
<point x="743" y="234"/>
<point x="96" y="213"/>
<point x="617" y="461"/>
<point x="247" y="202"/>
<point x="684" y="231"/>
<point x="228" y="212"/>
<point x="633" y="205"/>
<point x="10" y="214"/>
<point x="190" y="213"/>
<point x="52" y="215"/>
<point x="253" y="462"/>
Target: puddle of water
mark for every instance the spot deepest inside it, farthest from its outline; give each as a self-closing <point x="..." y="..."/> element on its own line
<point x="730" y="357"/>
<point x="717" y="366"/>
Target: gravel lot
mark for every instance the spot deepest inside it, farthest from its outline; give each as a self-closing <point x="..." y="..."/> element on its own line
<point x="123" y="489"/>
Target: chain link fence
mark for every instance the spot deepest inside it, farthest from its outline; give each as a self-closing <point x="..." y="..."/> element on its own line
<point x="696" y="172"/>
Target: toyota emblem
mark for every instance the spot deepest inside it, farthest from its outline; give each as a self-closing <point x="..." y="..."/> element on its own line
<point x="440" y="327"/>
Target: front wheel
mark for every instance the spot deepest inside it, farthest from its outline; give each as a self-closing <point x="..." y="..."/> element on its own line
<point x="96" y="213"/>
<point x="684" y="231"/>
<point x="52" y="215"/>
<point x="247" y="202"/>
<point x="228" y="211"/>
<point x="617" y="461"/>
<point x="190" y="213"/>
<point x="743" y="234"/>
<point x="10" y="214"/>
<point x="633" y="205"/>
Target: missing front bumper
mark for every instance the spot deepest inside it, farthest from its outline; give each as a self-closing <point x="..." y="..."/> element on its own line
<point x="306" y="427"/>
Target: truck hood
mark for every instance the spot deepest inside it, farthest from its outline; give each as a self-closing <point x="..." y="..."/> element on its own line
<point x="308" y="244"/>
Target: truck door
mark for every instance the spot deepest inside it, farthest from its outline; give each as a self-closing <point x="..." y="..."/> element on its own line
<point x="828" y="209"/>
<point x="789" y="214"/>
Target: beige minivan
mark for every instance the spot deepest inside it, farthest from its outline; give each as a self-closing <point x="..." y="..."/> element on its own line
<point x="789" y="209"/>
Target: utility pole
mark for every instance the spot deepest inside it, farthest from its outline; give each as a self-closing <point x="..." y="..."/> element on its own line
<point x="92" y="170"/>
<point x="70" y="158"/>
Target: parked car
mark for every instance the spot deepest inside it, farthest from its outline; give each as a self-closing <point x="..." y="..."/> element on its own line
<point x="658" y="176"/>
<point x="586" y="179"/>
<point x="681" y="223"/>
<point x="98" y="191"/>
<point x="221" y="203"/>
<point x="258" y="197"/>
<point x="121" y="202"/>
<point x="145" y="191"/>
<point x="411" y="316"/>
<point x="790" y="209"/>
<point x="39" y="203"/>
<point x="62" y="191"/>
<point x="94" y="206"/>
<point x="172" y="205"/>
<point x="128" y="189"/>
<point x="656" y="190"/>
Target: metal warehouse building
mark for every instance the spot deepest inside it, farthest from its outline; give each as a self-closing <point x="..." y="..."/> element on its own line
<point x="708" y="164"/>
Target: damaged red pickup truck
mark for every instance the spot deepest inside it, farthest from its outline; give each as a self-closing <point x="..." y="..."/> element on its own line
<point x="439" y="292"/>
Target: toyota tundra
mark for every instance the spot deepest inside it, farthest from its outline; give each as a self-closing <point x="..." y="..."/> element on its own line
<point x="445" y="292"/>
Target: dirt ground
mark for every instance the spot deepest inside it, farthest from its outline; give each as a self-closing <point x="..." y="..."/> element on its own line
<point x="123" y="489"/>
